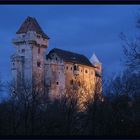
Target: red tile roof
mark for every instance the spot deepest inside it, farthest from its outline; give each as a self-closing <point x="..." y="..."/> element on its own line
<point x="31" y="24"/>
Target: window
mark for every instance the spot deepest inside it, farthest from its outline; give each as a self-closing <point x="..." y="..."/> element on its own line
<point x="39" y="50"/>
<point x="71" y="82"/>
<point x="56" y="58"/>
<point x="81" y="71"/>
<point x="75" y="67"/>
<point x="13" y="64"/>
<point x="79" y="83"/>
<point x="71" y="68"/>
<point x="23" y="50"/>
<point x="38" y="64"/>
<point x="57" y="83"/>
<point x="67" y="67"/>
<point x="38" y="36"/>
<point x="86" y="71"/>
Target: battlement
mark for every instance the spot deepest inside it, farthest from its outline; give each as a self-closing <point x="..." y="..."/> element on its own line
<point x="16" y="57"/>
<point x="30" y="37"/>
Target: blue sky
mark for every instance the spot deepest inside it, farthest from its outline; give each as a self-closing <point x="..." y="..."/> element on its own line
<point x="80" y="28"/>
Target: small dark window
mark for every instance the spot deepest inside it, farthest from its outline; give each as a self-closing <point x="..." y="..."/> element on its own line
<point x="79" y="83"/>
<point x="75" y="67"/>
<point x="71" y="68"/>
<point x="56" y="58"/>
<point x="23" y="50"/>
<point x="38" y="36"/>
<point x="71" y="82"/>
<point x="86" y="71"/>
<point x="13" y="64"/>
<point x="38" y="64"/>
<point x="57" y="83"/>
<point x="39" y="50"/>
<point x="67" y="67"/>
<point x="81" y="71"/>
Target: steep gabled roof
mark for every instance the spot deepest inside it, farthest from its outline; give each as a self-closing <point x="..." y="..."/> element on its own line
<point x="68" y="56"/>
<point x="31" y="24"/>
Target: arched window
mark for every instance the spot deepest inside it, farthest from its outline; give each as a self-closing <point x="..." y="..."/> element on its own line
<point x="75" y="67"/>
<point x="86" y="71"/>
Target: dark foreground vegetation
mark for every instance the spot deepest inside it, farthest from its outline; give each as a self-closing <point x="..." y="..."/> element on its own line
<point x="118" y="115"/>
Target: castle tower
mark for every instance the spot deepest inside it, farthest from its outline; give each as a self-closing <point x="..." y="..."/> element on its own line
<point x="95" y="62"/>
<point x="28" y="63"/>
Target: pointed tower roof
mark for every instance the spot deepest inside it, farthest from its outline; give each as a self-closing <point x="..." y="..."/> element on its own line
<point x="94" y="59"/>
<point x="31" y="24"/>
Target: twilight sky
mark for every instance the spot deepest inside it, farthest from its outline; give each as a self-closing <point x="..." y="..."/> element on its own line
<point x="80" y="28"/>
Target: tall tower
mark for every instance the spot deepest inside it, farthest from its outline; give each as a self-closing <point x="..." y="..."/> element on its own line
<point x="28" y="63"/>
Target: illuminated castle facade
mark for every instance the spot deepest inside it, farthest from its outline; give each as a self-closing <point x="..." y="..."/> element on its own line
<point x="56" y="72"/>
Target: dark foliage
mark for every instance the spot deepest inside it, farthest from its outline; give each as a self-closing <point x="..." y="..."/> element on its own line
<point x="29" y="114"/>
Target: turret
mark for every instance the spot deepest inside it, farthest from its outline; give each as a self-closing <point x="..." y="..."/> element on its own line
<point x="96" y="63"/>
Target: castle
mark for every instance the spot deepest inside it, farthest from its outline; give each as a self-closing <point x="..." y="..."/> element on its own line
<point x="56" y="72"/>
